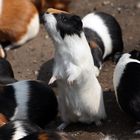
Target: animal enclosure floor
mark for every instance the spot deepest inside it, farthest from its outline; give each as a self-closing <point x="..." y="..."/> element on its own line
<point x="33" y="60"/>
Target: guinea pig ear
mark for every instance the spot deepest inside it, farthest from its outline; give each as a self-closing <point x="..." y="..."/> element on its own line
<point x="116" y="57"/>
<point x="135" y="54"/>
<point x="3" y="119"/>
<point x="2" y="52"/>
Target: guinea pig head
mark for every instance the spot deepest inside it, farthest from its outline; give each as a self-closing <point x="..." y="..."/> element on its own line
<point x="61" y="23"/>
<point x="135" y="54"/>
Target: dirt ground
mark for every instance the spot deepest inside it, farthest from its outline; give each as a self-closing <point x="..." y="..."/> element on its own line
<point x="32" y="61"/>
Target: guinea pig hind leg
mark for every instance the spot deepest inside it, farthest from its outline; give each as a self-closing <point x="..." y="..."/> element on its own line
<point x="62" y="126"/>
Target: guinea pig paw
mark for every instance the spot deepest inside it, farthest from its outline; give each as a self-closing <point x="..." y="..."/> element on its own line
<point x="70" y="81"/>
<point x="62" y="126"/>
<point x="52" y="80"/>
<point x="98" y="123"/>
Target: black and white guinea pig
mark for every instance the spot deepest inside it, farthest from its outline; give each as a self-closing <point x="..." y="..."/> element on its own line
<point x="104" y="36"/>
<point x="26" y="130"/>
<point x="6" y="71"/>
<point x="15" y="130"/>
<point x="19" y="22"/>
<point x="29" y="100"/>
<point x="126" y="82"/>
<point x="48" y="135"/>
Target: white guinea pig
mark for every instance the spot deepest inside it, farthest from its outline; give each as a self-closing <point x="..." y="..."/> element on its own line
<point x="104" y="36"/>
<point x="80" y="95"/>
<point x="126" y="82"/>
<point x="30" y="100"/>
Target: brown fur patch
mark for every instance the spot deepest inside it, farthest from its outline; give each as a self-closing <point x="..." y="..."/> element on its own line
<point x="16" y="15"/>
<point x="93" y="44"/>
<point x="43" y="136"/>
<point x="58" y="4"/>
<point x="55" y="11"/>
<point x="3" y="119"/>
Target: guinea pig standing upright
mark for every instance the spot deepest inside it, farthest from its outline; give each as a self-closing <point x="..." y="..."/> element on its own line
<point x="80" y="95"/>
<point x="6" y="71"/>
<point x="126" y="82"/>
<point x="28" y="100"/>
<point x="19" y="22"/>
<point x="104" y="36"/>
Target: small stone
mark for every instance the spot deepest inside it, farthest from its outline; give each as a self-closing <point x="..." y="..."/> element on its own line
<point x="119" y="9"/>
<point x="36" y="72"/>
<point x="138" y="5"/>
<point x="106" y="2"/>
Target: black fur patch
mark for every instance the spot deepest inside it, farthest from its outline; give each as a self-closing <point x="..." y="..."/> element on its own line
<point x="114" y="31"/>
<point x="98" y="52"/>
<point x="135" y="55"/>
<point x="7" y="101"/>
<point x="42" y="105"/>
<point x="6" y="68"/>
<point x="7" y="131"/>
<point x="68" y="24"/>
<point x="128" y="90"/>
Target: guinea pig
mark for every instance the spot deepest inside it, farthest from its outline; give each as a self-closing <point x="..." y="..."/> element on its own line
<point x="126" y="81"/>
<point x="15" y="130"/>
<point x="80" y="95"/>
<point x="26" y="130"/>
<point x="6" y="71"/>
<point x="48" y="135"/>
<point x="30" y="100"/>
<point x="104" y="36"/>
<point x="19" y="22"/>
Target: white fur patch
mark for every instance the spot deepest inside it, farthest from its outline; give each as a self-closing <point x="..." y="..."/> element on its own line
<point x="50" y="23"/>
<point x="119" y="69"/>
<point x="19" y="133"/>
<point x="21" y="95"/>
<point x="1" y="6"/>
<point x="96" y="23"/>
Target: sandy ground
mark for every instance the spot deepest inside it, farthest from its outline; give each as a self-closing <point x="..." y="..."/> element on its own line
<point x="32" y="61"/>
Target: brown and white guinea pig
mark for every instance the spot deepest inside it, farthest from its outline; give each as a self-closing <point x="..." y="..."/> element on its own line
<point x="19" y="22"/>
<point x="26" y="130"/>
<point x="126" y="82"/>
<point x="30" y="100"/>
<point x="6" y="71"/>
<point x="104" y="36"/>
<point x="79" y="92"/>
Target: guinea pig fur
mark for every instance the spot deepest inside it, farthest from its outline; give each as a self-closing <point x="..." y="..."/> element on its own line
<point x="15" y="130"/>
<point x="29" y="100"/>
<point x="126" y="82"/>
<point x="80" y="94"/>
<point x="6" y="71"/>
<point x="42" y="5"/>
<point x="26" y="130"/>
<point x="19" y="22"/>
<point x="104" y="36"/>
<point x="48" y="135"/>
